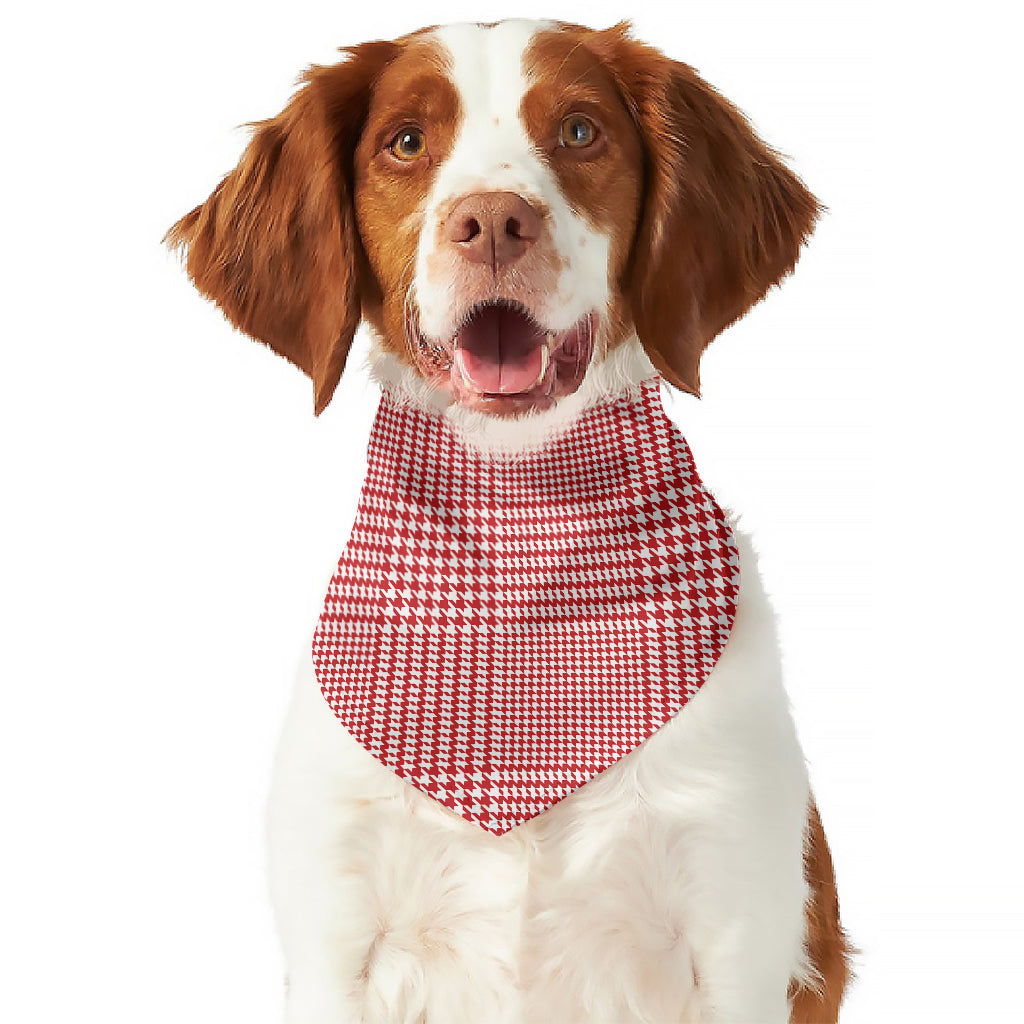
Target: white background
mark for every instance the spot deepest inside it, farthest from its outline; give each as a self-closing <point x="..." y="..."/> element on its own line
<point x="172" y="510"/>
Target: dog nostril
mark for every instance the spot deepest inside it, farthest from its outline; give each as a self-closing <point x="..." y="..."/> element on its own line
<point x="513" y="228"/>
<point x="470" y="229"/>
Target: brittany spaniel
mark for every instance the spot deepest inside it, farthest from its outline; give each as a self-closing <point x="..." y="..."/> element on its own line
<point x="615" y="213"/>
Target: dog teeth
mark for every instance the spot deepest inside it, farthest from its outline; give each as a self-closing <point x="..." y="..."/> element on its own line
<point x="545" y="359"/>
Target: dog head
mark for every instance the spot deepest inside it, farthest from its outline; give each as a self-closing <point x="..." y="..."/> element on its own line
<point x="510" y="207"/>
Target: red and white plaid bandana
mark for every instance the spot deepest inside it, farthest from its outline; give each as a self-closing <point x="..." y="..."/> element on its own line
<point x="498" y="632"/>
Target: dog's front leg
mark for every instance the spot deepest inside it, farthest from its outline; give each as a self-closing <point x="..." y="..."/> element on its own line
<point x="323" y="919"/>
<point x="733" y="778"/>
<point x="671" y="887"/>
<point x="390" y="908"/>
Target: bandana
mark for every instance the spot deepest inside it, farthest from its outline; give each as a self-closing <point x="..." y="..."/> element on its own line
<point x="499" y="631"/>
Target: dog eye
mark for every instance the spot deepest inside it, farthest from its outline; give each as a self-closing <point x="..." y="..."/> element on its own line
<point x="577" y="132"/>
<point x="409" y="144"/>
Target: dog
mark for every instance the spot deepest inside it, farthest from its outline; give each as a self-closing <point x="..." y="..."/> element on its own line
<point x="616" y="213"/>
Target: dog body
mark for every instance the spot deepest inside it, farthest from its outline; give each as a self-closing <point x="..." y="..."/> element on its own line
<point x="670" y="888"/>
<point x="532" y="218"/>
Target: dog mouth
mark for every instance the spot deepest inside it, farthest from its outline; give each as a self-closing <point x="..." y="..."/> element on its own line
<point x="501" y="360"/>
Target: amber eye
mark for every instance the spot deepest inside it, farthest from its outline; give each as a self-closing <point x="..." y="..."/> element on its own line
<point x="577" y="132"/>
<point x="409" y="144"/>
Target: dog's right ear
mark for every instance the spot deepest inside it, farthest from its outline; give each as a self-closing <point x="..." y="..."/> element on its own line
<point x="275" y="245"/>
<point x="723" y="218"/>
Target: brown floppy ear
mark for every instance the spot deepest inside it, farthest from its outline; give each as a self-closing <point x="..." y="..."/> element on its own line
<point x="275" y="245"/>
<point x="723" y="219"/>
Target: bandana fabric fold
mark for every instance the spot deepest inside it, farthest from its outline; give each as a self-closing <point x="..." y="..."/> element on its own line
<point x="500" y="631"/>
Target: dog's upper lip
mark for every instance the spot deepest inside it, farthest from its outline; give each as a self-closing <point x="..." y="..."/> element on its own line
<point x="471" y="312"/>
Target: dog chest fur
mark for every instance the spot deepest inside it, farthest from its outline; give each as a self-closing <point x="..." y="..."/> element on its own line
<point x="679" y="859"/>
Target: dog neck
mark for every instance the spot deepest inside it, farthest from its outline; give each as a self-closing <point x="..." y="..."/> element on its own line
<point x="419" y="458"/>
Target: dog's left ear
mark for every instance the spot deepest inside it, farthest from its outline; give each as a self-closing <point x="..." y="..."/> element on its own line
<point x="723" y="218"/>
<point x="275" y="245"/>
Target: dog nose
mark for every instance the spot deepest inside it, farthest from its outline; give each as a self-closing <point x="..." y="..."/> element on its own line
<point x="493" y="227"/>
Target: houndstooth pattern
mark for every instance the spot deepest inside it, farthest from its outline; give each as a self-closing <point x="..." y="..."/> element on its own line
<point x="498" y="632"/>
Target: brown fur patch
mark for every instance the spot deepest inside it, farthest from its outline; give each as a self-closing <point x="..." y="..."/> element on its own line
<point x="602" y="182"/>
<point x="723" y="219"/>
<point x="828" y="947"/>
<point x="390" y="196"/>
<point x="275" y="245"/>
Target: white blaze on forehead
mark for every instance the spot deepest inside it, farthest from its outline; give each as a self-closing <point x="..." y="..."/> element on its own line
<point x="493" y="152"/>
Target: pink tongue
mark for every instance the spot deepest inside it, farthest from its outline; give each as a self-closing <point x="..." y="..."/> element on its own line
<point x="500" y="351"/>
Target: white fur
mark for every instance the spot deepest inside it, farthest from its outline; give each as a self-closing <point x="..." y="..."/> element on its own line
<point x="669" y="888"/>
<point x="493" y="151"/>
